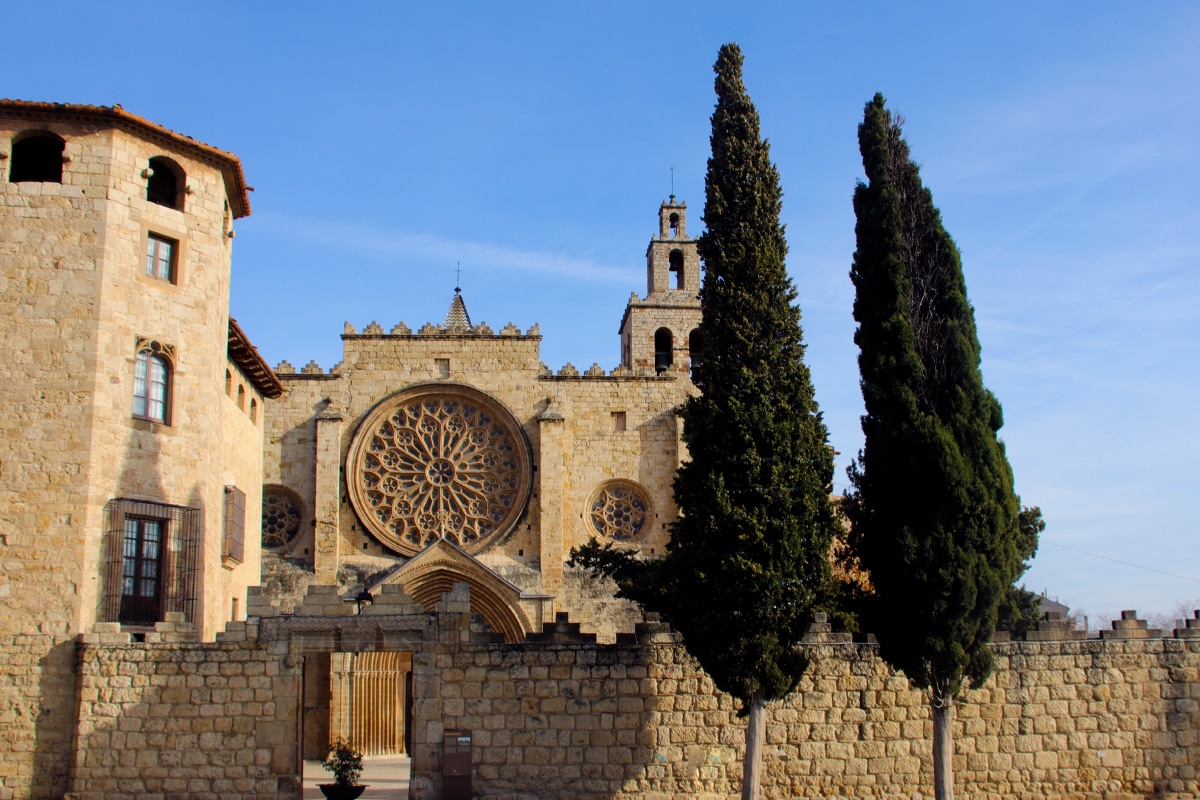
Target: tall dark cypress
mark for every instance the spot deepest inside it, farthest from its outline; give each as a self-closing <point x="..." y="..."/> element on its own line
<point x="749" y="555"/>
<point x="933" y="511"/>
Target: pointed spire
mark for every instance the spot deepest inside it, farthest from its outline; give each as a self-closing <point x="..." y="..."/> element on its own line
<point x="457" y="317"/>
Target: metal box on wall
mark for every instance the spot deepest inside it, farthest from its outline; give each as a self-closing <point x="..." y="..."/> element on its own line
<point x="456" y="765"/>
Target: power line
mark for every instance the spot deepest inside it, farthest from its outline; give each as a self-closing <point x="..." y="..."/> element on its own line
<point x="1119" y="561"/>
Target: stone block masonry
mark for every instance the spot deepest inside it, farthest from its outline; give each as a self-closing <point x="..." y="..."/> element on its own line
<point x="566" y="718"/>
<point x="1064" y="719"/>
<point x="164" y="721"/>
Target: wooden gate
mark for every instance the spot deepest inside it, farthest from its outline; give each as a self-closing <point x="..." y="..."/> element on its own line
<point x="367" y="701"/>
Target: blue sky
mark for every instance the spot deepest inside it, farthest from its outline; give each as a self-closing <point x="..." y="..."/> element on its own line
<point x="533" y="142"/>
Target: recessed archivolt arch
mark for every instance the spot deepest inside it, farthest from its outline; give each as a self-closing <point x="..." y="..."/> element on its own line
<point x="436" y="569"/>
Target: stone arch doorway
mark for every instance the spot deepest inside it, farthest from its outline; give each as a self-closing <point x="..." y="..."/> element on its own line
<point x="434" y="571"/>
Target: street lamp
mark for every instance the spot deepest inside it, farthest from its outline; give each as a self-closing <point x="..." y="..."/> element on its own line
<point x="364" y="597"/>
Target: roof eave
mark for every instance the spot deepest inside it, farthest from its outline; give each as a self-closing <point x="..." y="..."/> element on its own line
<point x="117" y="117"/>
<point x="246" y="356"/>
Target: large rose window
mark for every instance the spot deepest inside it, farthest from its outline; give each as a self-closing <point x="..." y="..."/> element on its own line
<point x="439" y="462"/>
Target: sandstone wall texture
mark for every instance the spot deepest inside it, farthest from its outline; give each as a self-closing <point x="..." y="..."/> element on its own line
<point x="75" y="305"/>
<point x="1081" y="719"/>
<point x="565" y="718"/>
<point x="187" y="721"/>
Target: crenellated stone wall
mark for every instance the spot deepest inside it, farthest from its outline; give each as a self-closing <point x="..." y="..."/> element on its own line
<point x="187" y="720"/>
<point x="563" y="717"/>
<point x="1062" y="719"/>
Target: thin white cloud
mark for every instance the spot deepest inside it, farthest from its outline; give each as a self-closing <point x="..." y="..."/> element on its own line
<point x="399" y="245"/>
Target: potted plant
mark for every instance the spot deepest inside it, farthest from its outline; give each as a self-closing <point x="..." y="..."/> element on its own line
<point x="346" y="765"/>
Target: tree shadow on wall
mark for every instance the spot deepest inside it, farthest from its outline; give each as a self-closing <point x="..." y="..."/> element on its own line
<point x="54" y="716"/>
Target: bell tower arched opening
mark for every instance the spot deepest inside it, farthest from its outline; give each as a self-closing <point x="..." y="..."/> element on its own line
<point x="663" y="349"/>
<point x="676" y="269"/>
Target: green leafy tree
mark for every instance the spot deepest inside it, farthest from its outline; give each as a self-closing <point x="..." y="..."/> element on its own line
<point x="749" y="556"/>
<point x="933" y="512"/>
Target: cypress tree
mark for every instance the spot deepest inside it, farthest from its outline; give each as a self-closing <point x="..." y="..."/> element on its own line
<point x="749" y="556"/>
<point x="933" y="511"/>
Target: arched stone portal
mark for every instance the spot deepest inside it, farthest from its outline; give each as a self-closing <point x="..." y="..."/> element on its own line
<point x="436" y="569"/>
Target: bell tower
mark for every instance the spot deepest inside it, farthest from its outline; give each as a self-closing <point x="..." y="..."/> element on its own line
<point x="659" y="332"/>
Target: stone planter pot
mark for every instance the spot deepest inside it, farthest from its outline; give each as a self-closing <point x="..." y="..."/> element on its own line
<point x="336" y="791"/>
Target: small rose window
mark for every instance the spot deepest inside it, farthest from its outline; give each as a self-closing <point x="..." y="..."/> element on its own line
<point x="619" y="510"/>
<point x="282" y="512"/>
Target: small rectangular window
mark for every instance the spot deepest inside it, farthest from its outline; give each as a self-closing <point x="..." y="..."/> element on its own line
<point x="234" y="548"/>
<point x="160" y="257"/>
<point x="618" y="421"/>
<point x="442" y="367"/>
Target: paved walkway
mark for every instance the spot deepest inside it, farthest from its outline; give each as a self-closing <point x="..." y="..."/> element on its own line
<point x="386" y="778"/>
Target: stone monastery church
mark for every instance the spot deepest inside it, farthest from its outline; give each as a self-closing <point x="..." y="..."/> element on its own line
<point x="155" y="472"/>
<point x="452" y="453"/>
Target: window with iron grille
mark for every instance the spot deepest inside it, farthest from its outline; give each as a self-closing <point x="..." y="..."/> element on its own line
<point x="234" y="549"/>
<point x="151" y="561"/>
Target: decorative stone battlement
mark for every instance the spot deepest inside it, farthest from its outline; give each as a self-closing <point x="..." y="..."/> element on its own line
<point x="481" y="331"/>
<point x="1130" y="627"/>
<point x="595" y="372"/>
<point x="1055" y="627"/>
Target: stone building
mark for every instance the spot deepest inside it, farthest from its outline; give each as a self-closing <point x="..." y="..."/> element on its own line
<point x="452" y="453"/>
<point x="136" y="502"/>
<point x="131" y="438"/>
<point x="209" y="568"/>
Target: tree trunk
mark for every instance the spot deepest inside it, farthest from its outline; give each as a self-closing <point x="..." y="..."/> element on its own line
<point x="943" y="745"/>
<point x="755" y="734"/>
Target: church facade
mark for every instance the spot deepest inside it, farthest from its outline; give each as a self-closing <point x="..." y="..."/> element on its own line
<point x="453" y="454"/>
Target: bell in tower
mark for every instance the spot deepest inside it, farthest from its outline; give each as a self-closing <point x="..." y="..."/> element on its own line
<point x="658" y="333"/>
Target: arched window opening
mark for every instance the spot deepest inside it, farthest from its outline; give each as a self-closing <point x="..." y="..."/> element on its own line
<point x="696" y="348"/>
<point x="241" y="398"/>
<point x="164" y="182"/>
<point x="229" y="383"/>
<point x="151" y="384"/>
<point x="37" y="158"/>
<point x="663" y="356"/>
<point x="674" y="221"/>
<point x="675" y="264"/>
<point x="253" y="410"/>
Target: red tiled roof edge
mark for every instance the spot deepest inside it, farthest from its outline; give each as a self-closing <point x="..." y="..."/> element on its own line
<point x="246" y="356"/>
<point x="229" y="164"/>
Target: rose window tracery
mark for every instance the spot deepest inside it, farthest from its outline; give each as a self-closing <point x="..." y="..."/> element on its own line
<point x="439" y="463"/>
<point x="281" y="516"/>
<point x="619" y="510"/>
